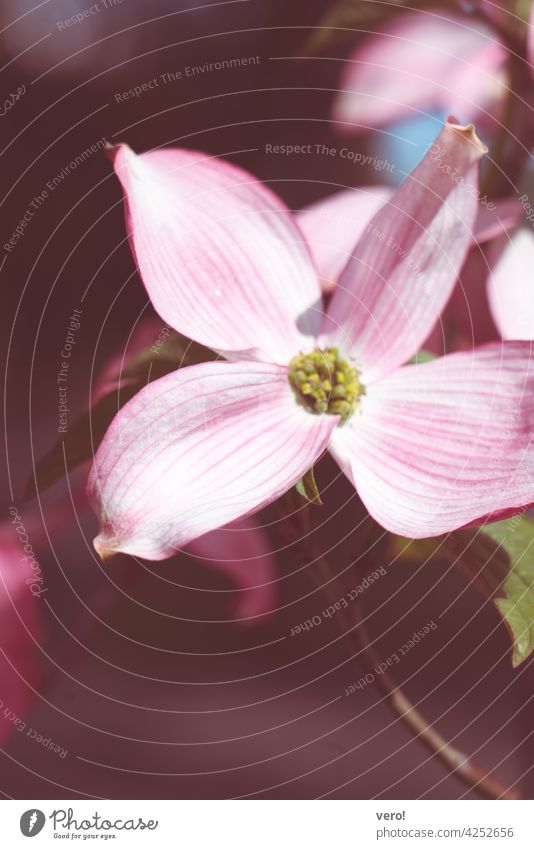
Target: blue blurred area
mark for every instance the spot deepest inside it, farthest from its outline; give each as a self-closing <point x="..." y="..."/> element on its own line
<point x="406" y="142"/>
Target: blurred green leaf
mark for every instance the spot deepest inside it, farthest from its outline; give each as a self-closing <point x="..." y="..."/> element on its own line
<point x="498" y="560"/>
<point x="502" y="568"/>
<point x="173" y="352"/>
<point x="414" y="549"/>
<point x="85" y="434"/>
<point x="422" y="357"/>
<point x="78" y="444"/>
<point x="344" y="19"/>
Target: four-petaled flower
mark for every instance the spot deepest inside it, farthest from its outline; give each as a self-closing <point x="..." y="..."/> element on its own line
<point x="429" y="447"/>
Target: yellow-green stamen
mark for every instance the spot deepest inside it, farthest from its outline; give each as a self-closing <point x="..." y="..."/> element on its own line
<point x="325" y="383"/>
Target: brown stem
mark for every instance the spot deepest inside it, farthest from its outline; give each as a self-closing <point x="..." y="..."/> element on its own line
<point x="456" y="762"/>
<point x="511" y="149"/>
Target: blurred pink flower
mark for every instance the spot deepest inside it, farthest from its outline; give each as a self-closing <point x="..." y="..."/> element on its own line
<point x="242" y="552"/>
<point x="20" y="625"/>
<point x="418" y="63"/>
<point x="511" y="288"/>
<point x="429" y="447"/>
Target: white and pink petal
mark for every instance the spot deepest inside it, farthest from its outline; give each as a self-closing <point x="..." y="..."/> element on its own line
<point x="405" y="266"/>
<point x="196" y="450"/>
<point x="447" y="443"/>
<point x="220" y="255"/>
<point x="333" y="226"/>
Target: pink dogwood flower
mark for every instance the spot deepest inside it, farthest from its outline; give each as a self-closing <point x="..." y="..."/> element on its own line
<point x="429" y="447"/>
<point x="418" y="63"/>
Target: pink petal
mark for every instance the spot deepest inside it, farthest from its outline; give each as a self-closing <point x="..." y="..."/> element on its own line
<point x="197" y="449"/>
<point x="440" y="445"/>
<point x="422" y="62"/>
<point x="334" y="225"/>
<point x="243" y="552"/>
<point x="220" y="255"/>
<point x="511" y="288"/>
<point x="497" y="220"/>
<point x="404" y="267"/>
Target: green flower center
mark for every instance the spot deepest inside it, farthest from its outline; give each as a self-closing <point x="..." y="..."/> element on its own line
<point x="323" y="382"/>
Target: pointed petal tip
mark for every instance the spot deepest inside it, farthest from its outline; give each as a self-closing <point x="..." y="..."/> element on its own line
<point x="468" y="131"/>
<point x="112" y="151"/>
<point x="102" y="547"/>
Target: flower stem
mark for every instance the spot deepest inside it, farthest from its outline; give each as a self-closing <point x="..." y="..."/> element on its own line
<point x="455" y="762"/>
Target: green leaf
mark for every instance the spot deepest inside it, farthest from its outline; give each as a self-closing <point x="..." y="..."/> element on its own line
<point x="419" y="550"/>
<point x="512" y="568"/>
<point x="79" y="443"/>
<point x="498" y="561"/>
<point x="86" y="432"/>
<point x="174" y="352"/>
<point x="307" y="487"/>
<point x="422" y="356"/>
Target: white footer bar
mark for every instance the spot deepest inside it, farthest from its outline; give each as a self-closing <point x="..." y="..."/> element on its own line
<point x="269" y="824"/>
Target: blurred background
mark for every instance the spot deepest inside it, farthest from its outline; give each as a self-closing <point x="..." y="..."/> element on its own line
<point x="180" y="679"/>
